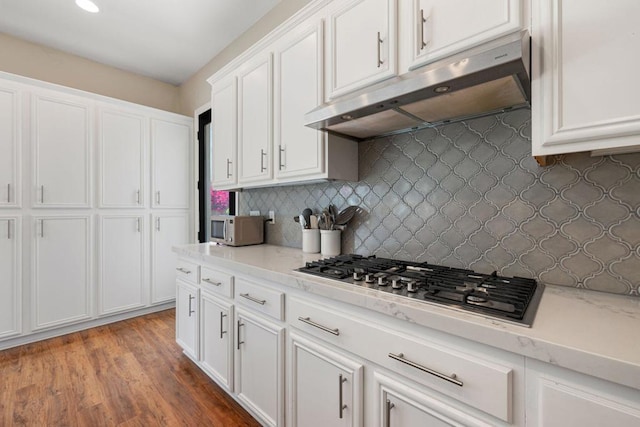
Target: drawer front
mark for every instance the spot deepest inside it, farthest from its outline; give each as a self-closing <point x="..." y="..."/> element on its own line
<point x="187" y="271"/>
<point x="216" y="282"/>
<point x="479" y="383"/>
<point x="260" y="298"/>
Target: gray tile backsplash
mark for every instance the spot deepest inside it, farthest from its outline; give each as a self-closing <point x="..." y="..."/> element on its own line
<point x="470" y="195"/>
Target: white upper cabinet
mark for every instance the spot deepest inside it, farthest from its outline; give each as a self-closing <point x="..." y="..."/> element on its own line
<point x="433" y="29"/>
<point x="122" y="141"/>
<point x="10" y="284"/>
<point x="171" y="160"/>
<point x="585" y="87"/>
<point x="298" y="90"/>
<point x="10" y="146"/>
<point x="361" y="44"/>
<point x="255" y="110"/>
<point x="61" y="150"/>
<point x="224" y="133"/>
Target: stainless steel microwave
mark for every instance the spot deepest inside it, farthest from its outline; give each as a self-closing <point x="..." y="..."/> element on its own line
<point x="234" y="230"/>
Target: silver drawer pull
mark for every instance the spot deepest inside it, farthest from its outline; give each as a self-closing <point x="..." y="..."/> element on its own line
<point x="256" y="300"/>
<point x="451" y="378"/>
<point x="387" y="413"/>
<point x="183" y="270"/>
<point x="308" y="321"/>
<point x="211" y="282"/>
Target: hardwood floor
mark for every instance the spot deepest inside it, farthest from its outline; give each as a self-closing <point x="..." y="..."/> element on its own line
<point x="130" y="373"/>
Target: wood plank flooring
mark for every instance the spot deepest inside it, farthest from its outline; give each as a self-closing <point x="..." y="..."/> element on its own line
<point x="130" y="373"/>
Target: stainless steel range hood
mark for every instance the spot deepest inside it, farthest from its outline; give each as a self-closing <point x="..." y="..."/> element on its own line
<point x="485" y="80"/>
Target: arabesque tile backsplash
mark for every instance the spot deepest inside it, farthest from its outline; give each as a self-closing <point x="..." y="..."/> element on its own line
<point x="470" y="195"/>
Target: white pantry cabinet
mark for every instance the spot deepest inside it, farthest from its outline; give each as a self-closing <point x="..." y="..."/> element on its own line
<point x="255" y="111"/>
<point x="121" y="263"/>
<point x="558" y="397"/>
<point x="10" y="276"/>
<point x="224" y="120"/>
<point x="170" y="163"/>
<point x="216" y="338"/>
<point x="10" y="145"/>
<point x="259" y="366"/>
<point x="61" y="136"/>
<point x="434" y="29"/>
<point x="585" y="87"/>
<point x="169" y="229"/>
<point x="61" y="270"/>
<point x="122" y="139"/>
<point x="326" y="386"/>
<point x="362" y="44"/>
<point x="187" y="317"/>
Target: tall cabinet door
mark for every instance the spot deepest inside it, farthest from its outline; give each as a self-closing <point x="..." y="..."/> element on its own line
<point x="10" y="138"/>
<point x="362" y="44"/>
<point x="122" y="144"/>
<point x="216" y="342"/>
<point x="61" y="150"/>
<point x="260" y="366"/>
<point x="298" y="90"/>
<point x="187" y="315"/>
<point x="224" y="122"/>
<point x="10" y="284"/>
<point x="171" y="154"/>
<point x="121" y="279"/>
<point x="255" y="121"/>
<point x="60" y="291"/>
<point x="326" y="387"/>
<point x="168" y="230"/>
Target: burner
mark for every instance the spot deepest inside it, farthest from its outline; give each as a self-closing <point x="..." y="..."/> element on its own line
<point x="512" y="299"/>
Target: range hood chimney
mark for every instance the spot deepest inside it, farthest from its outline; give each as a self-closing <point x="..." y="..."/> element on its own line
<point x="484" y="80"/>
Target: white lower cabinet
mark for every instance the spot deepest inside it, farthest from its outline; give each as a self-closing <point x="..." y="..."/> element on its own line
<point x="168" y="230"/>
<point x="558" y="397"/>
<point x="10" y="286"/>
<point x="61" y="273"/>
<point x="259" y="366"/>
<point x="187" y="317"/>
<point x="216" y="338"/>
<point x="121" y="261"/>
<point x="326" y="385"/>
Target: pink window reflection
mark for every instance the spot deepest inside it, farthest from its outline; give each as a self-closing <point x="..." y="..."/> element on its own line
<point x="219" y="202"/>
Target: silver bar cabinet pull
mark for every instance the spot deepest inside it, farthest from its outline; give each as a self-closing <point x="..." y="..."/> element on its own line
<point x="422" y="22"/>
<point x="222" y="331"/>
<point x="263" y="154"/>
<point x="211" y="282"/>
<point x="138" y="196"/>
<point x="9" y="193"/>
<point x="158" y="197"/>
<point x="341" y="380"/>
<point x="158" y="224"/>
<point x="228" y="172"/>
<point x="379" y="41"/>
<point x="308" y="321"/>
<point x="238" y="335"/>
<point x="41" y="194"/>
<point x="387" y="413"/>
<point x="183" y="270"/>
<point x="42" y="228"/>
<point x="451" y="378"/>
<point x="9" y="229"/>
<point x="191" y="311"/>
<point x="281" y="155"/>
<point x="138" y="225"/>
<point x="256" y="300"/>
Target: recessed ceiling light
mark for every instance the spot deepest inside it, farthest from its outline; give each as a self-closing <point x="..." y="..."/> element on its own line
<point x="88" y="5"/>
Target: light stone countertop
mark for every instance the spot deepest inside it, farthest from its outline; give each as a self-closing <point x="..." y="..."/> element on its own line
<point x="590" y="332"/>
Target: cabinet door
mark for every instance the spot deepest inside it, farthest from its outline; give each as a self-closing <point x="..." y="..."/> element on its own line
<point x="255" y="121"/>
<point x="298" y="90"/>
<point x="224" y="134"/>
<point x="60" y="133"/>
<point x="61" y="284"/>
<point x="260" y="366"/>
<point x="168" y="230"/>
<point x="362" y="44"/>
<point x="122" y="142"/>
<point x="121" y="280"/>
<point x="438" y="28"/>
<point x="10" y="284"/>
<point x="171" y="153"/>
<point x="573" y="105"/>
<point x="10" y="145"/>
<point x="216" y="343"/>
<point x="326" y="387"/>
<point x="187" y="318"/>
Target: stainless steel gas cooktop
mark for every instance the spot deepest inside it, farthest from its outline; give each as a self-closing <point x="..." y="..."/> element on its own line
<point x="511" y="299"/>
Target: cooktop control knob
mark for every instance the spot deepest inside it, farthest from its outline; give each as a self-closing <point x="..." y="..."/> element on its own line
<point x="383" y="281"/>
<point x="412" y="286"/>
<point x="369" y="278"/>
<point x="358" y="276"/>
<point x="396" y="283"/>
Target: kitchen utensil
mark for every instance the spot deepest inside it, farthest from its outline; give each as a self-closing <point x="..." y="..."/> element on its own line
<point x="303" y="222"/>
<point x="314" y="221"/>
<point x="306" y="213"/>
<point x="346" y="215"/>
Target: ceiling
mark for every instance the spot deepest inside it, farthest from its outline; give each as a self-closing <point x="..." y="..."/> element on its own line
<point x="168" y="40"/>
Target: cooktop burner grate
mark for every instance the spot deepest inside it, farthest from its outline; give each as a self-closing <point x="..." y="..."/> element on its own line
<point x="514" y="299"/>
